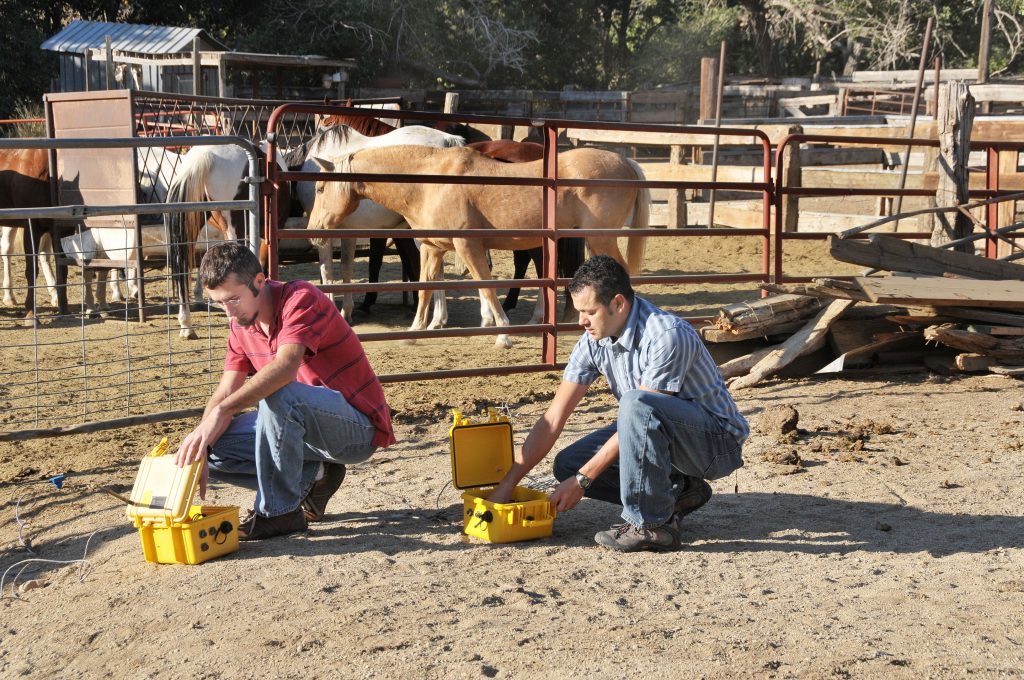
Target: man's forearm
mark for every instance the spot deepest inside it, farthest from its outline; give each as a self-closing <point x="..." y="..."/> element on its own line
<point x="268" y="380"/>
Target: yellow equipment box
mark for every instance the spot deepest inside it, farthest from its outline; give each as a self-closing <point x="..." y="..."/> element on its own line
<point x="172" y="530"/>
<point x="481" y="455"/>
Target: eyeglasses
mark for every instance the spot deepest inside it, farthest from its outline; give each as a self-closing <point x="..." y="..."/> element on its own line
<point x="224" y="304"/>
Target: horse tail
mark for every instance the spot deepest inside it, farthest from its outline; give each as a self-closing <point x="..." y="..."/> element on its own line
<point x="188" y="186"/>
<point x="635" y="245"/>
<point x="183" y="228"/>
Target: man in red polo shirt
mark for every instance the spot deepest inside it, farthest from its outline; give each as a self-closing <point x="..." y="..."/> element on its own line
<point x="319" y="403"/>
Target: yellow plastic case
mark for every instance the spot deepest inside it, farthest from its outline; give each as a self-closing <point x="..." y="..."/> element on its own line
<point x="481" y="455"/>
<point x="172" y="530"/>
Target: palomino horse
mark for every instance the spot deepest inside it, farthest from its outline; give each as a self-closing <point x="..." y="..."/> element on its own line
<point x="25" y="183"/>
<point x="207" y="173"/>
<point x="483" y="206"/>
<point x="570" y="250"/>
<point x="343" y="140"/>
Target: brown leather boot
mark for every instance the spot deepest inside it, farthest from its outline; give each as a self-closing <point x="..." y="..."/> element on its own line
<point x="314" y="505"/>
<point x="256" y="527"/>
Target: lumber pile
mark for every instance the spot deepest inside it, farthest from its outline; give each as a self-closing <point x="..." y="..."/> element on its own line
<point x="930" y="309"/>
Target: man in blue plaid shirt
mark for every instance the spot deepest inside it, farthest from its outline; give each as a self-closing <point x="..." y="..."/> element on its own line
<point x="677" y="424"/>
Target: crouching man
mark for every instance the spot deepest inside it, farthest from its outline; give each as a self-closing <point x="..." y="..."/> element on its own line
<point x="319" y="405"/>
<point x="677" y="425"/>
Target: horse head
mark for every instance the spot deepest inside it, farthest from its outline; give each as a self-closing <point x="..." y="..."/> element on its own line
<point x="334" y="201"/>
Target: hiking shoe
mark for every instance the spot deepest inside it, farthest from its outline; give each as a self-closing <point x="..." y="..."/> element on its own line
<point x="695" y="494"/>
<point x="628" y="538"/>
<point x="314" y="505"/>
<point x="256" y="527"/>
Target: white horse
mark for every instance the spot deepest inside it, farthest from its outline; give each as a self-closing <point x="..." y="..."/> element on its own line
<point x="207" y="173"/>
<point x="343" y="140"/>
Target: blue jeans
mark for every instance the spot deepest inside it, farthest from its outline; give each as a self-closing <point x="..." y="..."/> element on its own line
<point x="661" y="438"/>
<point x="278" y="448"/>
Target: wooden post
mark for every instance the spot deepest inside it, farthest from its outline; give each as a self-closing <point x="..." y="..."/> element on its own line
<point x="985" y="47"/>
<point x="708" y="88"/>
<point x="197" y="69"/>
<point x="451" y="102"/>
<point x="794" y="178"/>
<point x="222" y="81"/>
<point x="109" y="82"/>
<point x="676" y="197"/>
<point x="956" y="114"/>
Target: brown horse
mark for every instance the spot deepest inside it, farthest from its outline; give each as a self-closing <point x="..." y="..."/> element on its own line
<point x="481" y="206"/>
<point x="25" y="183"/>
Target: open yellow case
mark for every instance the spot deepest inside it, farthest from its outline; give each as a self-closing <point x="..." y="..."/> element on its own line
<point x="482" y="454"/>
<point x="171" y="528"/>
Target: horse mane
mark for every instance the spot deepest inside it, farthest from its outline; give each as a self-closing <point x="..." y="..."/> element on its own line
<point x="296" y="156"/>
<point x="364" y="125"/>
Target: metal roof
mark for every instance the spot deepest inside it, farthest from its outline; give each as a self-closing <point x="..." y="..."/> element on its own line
<point x="80" y="35"/>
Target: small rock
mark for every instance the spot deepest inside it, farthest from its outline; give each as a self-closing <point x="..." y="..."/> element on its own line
<point x="882" y="526"/>
<point x="32" y="585"/>
<point x="778" y="420"/>
<point x="1019" y="406"/>
<point x="896" y="460"/>
<point x="946" y="484"/>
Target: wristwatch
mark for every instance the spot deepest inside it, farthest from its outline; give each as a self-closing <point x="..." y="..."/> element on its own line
<point x="583" y="481"/>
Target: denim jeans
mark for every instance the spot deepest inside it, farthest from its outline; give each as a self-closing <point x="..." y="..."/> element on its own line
<point x="278" y="448"/>
<point x="661" y="438"/>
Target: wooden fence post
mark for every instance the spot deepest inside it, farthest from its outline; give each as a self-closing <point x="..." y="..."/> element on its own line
<point x="451" y="102"/>
<point x="955" y="117"/>
<point x="794" y="178"/>
<point x="197" y="69"/>
<point x="676" y="197"/>
<point x="109" y="65"/>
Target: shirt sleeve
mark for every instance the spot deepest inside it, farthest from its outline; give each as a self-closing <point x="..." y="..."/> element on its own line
<point x="303" y="319"/>
<point x="580" y="368"/>
<point x="669" y="355"/>
<point x="234" y="358"/>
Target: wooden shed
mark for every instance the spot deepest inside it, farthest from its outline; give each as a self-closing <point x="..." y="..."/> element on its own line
<point x="167" y="59"/>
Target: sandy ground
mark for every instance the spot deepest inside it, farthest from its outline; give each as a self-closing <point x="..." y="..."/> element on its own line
<point x="894" y="549"/>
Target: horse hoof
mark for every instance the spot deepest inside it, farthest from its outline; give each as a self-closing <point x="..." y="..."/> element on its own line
<point x="188" y="335"/>
<point x="503" y="342"/>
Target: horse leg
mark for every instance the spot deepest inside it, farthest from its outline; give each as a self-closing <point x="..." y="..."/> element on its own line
<point x="520" y="261"/>
<point x="432" y="269"/>
<point x="373" y="265"/>
<point x="473" y="254"/>
<point x="325" y="254"/>
<point x="6" y="246"/>
<point x="44" y="264"/>
<point x="605" y="245"/>
<point x="29" y="243"/>
<point x="346" y="258"/>
<point x="431" y="265"/>
<point x="410" y="258"/>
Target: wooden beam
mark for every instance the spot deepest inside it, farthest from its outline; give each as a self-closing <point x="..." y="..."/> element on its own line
<point x="893" y="254"/>
<point x="956" y="113"/>
<point x="792" y="348"/>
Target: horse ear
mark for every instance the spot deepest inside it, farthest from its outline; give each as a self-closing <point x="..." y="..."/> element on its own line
<point x="324" y="164"/>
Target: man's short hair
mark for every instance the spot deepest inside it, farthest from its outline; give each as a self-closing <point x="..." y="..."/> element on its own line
<point x="224" y="259"/>
<point x="606" y="276"/>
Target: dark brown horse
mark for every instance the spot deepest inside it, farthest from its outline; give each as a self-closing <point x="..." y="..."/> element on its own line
<point x="25" y="183"/>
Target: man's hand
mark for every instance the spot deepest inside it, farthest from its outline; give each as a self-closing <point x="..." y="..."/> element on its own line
<point x="567" y="495"/>
<point x="199" y="441"/>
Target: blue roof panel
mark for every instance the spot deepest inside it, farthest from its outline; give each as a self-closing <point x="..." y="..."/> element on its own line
<point x="80" y="35"/>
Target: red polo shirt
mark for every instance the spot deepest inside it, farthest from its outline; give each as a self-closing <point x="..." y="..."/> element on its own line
<point x="334" y="356"/>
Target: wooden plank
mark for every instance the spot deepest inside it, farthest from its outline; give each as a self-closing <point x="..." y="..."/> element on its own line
<point x="969" y="361"/>
<point x="987" y="315"/>
<point x="1014" y="371"/>
<point x="935" y="291"/>
<point x="994" y="330"/>
<point x="893" y="254"/>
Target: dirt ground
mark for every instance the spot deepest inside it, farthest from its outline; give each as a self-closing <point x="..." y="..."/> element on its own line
<point x="885" y="538"/>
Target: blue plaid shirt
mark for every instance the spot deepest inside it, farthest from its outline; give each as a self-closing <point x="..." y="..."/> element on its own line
<point x="659" y="351"/>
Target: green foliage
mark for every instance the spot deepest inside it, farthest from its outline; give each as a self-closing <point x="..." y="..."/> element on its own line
<point x="542" y="44"/>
